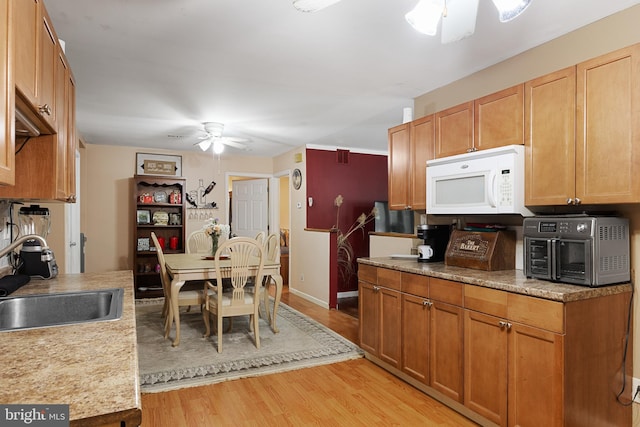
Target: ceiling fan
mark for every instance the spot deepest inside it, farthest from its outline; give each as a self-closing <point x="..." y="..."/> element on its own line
<point x="213" y="137"/>
<point x="458" y="16"/>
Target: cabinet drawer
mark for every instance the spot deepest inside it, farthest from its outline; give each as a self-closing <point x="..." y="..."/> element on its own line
<point x="445" y="291"/>
<point x="415" y="284"/>
<point x="485" y="300"/>
<point x="540" y="313"/>
<point x="389" y="278"/>
<point x="367" y="273"/>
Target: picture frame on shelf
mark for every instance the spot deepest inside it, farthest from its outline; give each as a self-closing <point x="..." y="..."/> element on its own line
<point x="158" y="164"/>
<point x="143" y="244"/>
<point x="143" y="216"/>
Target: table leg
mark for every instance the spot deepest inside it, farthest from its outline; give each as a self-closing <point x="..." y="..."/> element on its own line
<point x="175" y="309"/>
<point x="278" y="279"/>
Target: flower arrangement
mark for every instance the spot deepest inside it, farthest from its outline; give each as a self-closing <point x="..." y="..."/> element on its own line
<point x="345" y="250"/>
<point x="212" y="228"/>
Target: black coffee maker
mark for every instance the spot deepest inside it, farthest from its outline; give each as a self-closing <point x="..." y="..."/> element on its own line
<point x="435" y="240"/>
<point x="35" y="220"/>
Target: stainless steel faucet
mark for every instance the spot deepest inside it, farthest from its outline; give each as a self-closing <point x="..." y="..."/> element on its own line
<point x="47" y="254"/>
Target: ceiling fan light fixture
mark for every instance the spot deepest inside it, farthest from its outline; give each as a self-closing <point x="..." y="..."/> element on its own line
<point x="312" y="5"/>
<point x="425" y="16"/>
<point x="205" y="144"/>
<point x="510" y="9"/>
<point x="459" y="22"/>
<point x="218" y="147"/>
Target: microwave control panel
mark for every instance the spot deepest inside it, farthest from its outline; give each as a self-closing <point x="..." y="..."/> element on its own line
<point x="505" y="189"/>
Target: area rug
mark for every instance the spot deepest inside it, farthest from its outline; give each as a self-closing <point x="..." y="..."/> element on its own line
<point x="302" y="342"/>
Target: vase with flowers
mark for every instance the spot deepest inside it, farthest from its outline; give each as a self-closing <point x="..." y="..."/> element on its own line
<point x="213" y="229"/>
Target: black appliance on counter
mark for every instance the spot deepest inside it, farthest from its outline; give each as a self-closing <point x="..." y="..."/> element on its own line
<point x="578" y="249"/>
<point x="435" y="240"/>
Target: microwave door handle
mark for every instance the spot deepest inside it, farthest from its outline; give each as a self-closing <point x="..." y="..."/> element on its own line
<point x="491" y="194"/>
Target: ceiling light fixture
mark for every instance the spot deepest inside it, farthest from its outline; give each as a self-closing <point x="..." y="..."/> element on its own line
<point x="218" y="146"/>
<point x="458" y="19"/>
<point x="312" y="5"/>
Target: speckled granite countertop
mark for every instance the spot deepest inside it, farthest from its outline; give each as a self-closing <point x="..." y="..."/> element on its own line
<point x="506" y="280"/>
<point x="93" y="367"/>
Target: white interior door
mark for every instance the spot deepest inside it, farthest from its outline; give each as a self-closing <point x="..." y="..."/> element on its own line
<point x="250" y="207"/>
<point x="72" y="238"/>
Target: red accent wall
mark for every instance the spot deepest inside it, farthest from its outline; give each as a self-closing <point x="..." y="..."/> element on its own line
<point x="361" y="181"/>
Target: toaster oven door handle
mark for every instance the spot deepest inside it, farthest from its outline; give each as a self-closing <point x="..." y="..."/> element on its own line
<point x="554" y="261"/>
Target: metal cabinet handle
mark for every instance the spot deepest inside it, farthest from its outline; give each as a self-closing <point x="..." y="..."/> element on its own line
<point x="504" y="325"/>
<point x="376" y="288"/>
<point x="569" y="201"/>
<point x="45" y="109"/>
<point x="427" y="303"/>
<point x="577" y="201"/>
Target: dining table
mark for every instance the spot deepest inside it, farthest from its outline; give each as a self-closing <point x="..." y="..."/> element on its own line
<point x="184" y="267"/>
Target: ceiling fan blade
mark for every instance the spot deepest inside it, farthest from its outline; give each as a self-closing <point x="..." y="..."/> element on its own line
<point x="204" y="144"/>
<point x="231" y="143"/>
<point x="460" y="20"/>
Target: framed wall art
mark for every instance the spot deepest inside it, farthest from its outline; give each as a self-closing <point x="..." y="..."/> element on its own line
<point x="158" y="164"/>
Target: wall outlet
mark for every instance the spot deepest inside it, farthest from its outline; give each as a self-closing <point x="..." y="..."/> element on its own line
<point x="634" y="387"/>
<point x="302" y="280"/>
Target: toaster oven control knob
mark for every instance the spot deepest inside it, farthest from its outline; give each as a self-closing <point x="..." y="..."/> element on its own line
<point x="581" y="227"/>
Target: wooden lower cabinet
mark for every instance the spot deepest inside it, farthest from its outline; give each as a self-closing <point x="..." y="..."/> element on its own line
<point x="446" y="368"/>
<point x="485" y="366"/>
<point x="416" y="315"/>
<point x="497" y="357"/>
<point x="380" y="316"/>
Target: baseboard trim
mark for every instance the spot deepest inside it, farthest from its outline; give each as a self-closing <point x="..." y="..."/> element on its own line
<point x="309" y="298"/>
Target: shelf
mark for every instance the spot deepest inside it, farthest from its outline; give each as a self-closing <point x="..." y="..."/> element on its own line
<point x="159" y="205"/>
<point x="158" y="226"/>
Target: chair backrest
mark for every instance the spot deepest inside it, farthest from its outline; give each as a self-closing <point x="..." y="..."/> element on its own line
<point x="260" y="237"/>
<point x="272" y="247"/>
<point x="199" y="243"/>
<point x="244" y="254"/>
<point x="164" y="276"/>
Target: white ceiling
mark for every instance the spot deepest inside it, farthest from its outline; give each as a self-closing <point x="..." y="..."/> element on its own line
<point x="149" y="72"/>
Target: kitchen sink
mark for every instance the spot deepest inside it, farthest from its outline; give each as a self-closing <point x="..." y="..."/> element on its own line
<point x="45" y="310"/>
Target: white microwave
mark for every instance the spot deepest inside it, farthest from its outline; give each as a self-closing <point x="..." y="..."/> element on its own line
<point x="481" y="182"/>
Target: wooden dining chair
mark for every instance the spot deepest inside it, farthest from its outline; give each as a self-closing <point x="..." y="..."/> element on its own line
<point x="199" y="242"/>
<point x="260" y="237"/>
<point x="239" y="300"/>
<point x="185" y="298"/>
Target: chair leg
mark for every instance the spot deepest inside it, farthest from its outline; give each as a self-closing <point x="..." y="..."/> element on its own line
<point x="219" y="332"/>
<point x="205" y="317"/>
<point x="256" y="328"/>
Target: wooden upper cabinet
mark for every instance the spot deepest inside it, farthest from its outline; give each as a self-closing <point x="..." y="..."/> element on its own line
<point x="7" y="142"/>
<point x="26" y="20"/>
<point x="499" y="119"/>
<point x="550" y="138"/>
<point x="36" y="45"/>
<point x="608" y="128"/>
<point x="454" y="130"/>
<point x="399" y="167"/>
<point x="72" y="139"/>
<point x="422" y="149"/>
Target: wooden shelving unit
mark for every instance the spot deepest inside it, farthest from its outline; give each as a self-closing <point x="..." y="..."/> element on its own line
<point x="164" y="195"/>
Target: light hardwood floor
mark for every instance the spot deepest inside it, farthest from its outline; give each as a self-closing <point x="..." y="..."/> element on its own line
<point x="352" y="393"/>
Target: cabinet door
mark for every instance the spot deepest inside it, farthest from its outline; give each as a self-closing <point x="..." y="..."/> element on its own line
<point x="72" y="138"/>
<point x="26" y="20"/>
<point x="485" y="367"/>
<point x="7" y="100"/>
<point x="454" y="130"/>
<point x="498" y="119"/>
<point x="369" y="314"/>
<point x="550" y="138"/>
<point x="61" y="167"/>
<point x="446" y="365"/>
<point x="47" y="78"/>
<point x="399" y="158"/>
<point x="535" y="377"/>
<point x="608" y="129"/>
<point x="390" y="332"/>
<point x="422" y="149"/>
<point x="415" y="337"/>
